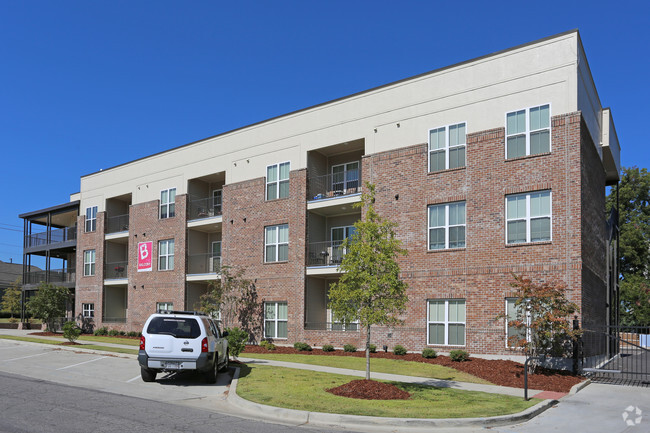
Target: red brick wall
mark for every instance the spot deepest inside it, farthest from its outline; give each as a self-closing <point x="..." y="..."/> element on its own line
<point x="89" y="290"/>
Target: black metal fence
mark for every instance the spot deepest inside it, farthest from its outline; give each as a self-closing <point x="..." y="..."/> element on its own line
<point x="334" y="185"/>
<point x="51" y="276"/>
<point x="118" y="223"/>
<point x="203" y="208"/>
<point x="55" y="236"/>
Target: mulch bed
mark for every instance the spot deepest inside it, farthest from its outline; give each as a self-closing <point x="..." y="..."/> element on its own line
<point x="60" y="334"/>
<point x="369" y="390"/>
<point x="496" y="371"/>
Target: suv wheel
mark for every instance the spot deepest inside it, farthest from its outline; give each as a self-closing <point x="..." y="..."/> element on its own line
<point x="147" y="375"/>
<point x="211" y="375"/>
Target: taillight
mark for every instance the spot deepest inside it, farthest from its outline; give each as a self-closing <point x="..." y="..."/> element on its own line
<point x="142" y="342"/>
<point x="204" y="344"/>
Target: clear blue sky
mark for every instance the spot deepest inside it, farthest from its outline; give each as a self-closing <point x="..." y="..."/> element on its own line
<point x="86" y="85"/>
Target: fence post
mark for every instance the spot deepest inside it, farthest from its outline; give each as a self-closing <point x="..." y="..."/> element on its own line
<point x="576" y="346"/>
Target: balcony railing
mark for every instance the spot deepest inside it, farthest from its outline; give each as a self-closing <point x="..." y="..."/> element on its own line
<point x="115" y="270"/>
<point x="116" y="224"/>
<point x="331" y="326"/>
<point x="56" y="235"/>
<point x="203" y="208"/>
<point x="328" y="253"/>
<point x="203" y="264"/>
<point x="114" y="319"/>
<point x="55" y="276"/>
<point x="334" y="185"/>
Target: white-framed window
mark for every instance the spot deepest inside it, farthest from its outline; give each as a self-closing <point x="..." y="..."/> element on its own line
<point x="167" y="203"/>
<point x="528" y="217"/>
<point x="215" y="258"/>
<point x="339" y="235"/>
<point x="166" y="255"/>
<point x="164" y="306"/>
<point x="515" y="312"/>
<point x="91" y="219"/>
<point x="528" y="131"/>
<point x="89" y="263"/>
<point x="447" y="147"/>
<point x="345" y="176"/>
<point x="275" y="320"/>
<point x="447" y="226"/>
<point x="217" y="198"/>
<point x="446" y="322"/>
<point x="277" y="180"/>
<point x="276" y="243"/>
<point x="88" y="310"/>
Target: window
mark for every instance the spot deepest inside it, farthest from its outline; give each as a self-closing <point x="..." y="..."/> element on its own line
<point x="345" y="177"/>
<point x="338" y="325"/>
<point x="164" y="306"/>
<point x="514" y="312"/>
<point x="91" y="219"/>
<point x="447" y="226"/>
<point x="215" y="259"/>
<point x="447" y="147"/>
<point x="277" y="181"/>
<point x="88" y="310"/>
<point x="339" y="235"/>
<point x="528" y="131"/>
<point x="276" y="242"/>
<point x="168" y="203"/>
<point x="446" y="322"/>
<point x="528" y="217"/>
<point x="216" y="201"/>
<point x="89" y="263"/>
<point x="166" y="255"/>
<point x="275" y="320"/>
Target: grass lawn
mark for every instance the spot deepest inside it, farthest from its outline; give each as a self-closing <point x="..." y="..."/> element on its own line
<point x="377" y="365"/>
<point x="305" y="390"/>
<point x="85" y="346"/>
<point x="32" y="321"/>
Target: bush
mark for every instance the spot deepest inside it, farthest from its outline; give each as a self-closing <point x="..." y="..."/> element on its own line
<point x="101" y="331"/>
<point x="399" y="350"/>
<point x="113" y="333"/>
<point x="267" y="345"/>
<point x="123" y="333"/>
<point x="429" y="353"/>
<point x="71" y="331"/>
<point x="236" y="340"/>
<point x="349" y="348"/>
<point x="372" y="348"/>
<point x="328" y="348"/>
<point x="131" y="334"/>
<point x="459" y="355"/>
<point x="302" y="346"/>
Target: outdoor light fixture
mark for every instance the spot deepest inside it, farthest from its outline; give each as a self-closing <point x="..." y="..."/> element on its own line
<point x="385" y="348"/>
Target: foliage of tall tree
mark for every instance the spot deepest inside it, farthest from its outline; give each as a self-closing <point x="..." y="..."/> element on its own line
<point x="49" y="303"/>
<point x="543" y="319"/>
<point x="634" y="244"/>
<point x="370" y="289"/>
<point x="11" y="299"/>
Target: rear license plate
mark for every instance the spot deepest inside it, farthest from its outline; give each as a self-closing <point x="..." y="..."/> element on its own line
<point x="171" y="365"/>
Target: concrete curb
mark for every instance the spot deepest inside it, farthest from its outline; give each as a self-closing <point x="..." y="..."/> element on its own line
<point x="320" y="419"/>
<point x="579" y="387"/>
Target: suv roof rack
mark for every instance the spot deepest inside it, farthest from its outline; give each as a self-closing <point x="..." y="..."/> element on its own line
<point x="193" y="313"/>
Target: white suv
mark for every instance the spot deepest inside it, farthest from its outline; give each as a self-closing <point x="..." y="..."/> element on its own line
<point x="182" y="340"/>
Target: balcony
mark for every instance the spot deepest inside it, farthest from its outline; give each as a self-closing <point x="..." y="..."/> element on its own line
<point x="204" y="208"/>
<point x="115" y="270"/>
<point x="332" y="326"/>
<point x="335" y="185"/>
<point x="206" y="266"/>
<point x="117" y="224"/>
<point x="56" y="236"/>
<point x="54" y="276"/>
<point x="325" y="257"/>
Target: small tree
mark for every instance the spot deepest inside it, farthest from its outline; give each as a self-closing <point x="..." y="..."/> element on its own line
<point x="48" y="303"/>
<point x="370" y="289"/>
<point x="71" y="331"/>
<point x="542" y="319"/>
<point x="11" y="299"/>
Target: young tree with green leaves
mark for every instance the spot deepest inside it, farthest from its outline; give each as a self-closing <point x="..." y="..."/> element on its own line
<point x="11" y="299"/>
<point x="49" y="303"/>
<point x="633" y="196"/>
<point x="370" y="289"/>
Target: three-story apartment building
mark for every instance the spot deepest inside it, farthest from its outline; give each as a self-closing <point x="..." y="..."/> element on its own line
<point x="494" y="166"/>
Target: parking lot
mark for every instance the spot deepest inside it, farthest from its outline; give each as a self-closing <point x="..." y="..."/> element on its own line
<point x="114" y="373"/>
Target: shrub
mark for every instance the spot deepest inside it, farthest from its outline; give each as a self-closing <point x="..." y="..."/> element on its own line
<point x="429" y="353"/>
<point x="123" y="333"/>
<point x="71" y="331"/>
<point x="101" y="331"/>
<point x="328" y="348"/>
<point x="267" y="345"/>
<point x="372" y="348"/>
<point x="302" y="346"/>
<point x="399" y="350"/>
<point x="459" y="355"/>
<point x="236" y="340"/>
<point x="113" y="333"/>
<point x="349" y="348"/>
<point x="131" y="334"/>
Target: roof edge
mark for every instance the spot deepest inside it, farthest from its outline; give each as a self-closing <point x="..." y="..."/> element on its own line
<point x="60" y="207"/>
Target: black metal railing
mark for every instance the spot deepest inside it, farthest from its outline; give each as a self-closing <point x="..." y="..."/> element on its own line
<point x="55" y="236"/>
<point x="114" y="319"/>
<point x="206" y="263"/>
<point x="334" y="185"/>
<point x="203" y="208"/>
<point x="52" y="276"/>
<point x="328" y="253"/>
<point x="332" y="326"/>
<point x="118" y="223"/>
<point x="115" y="270"/>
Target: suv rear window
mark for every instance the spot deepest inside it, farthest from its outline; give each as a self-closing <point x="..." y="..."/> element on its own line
<point x="176" y="327"/>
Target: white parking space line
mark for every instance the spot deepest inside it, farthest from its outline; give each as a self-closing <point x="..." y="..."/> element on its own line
<point x="81" y="363"/>
<point x="135" y="378"/>
<point x="25" y="357"/>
